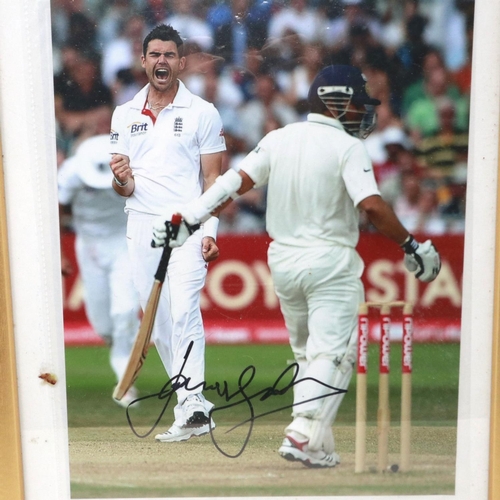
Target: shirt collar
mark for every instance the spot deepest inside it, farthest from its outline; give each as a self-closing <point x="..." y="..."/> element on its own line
<point x="182" y="99"/>
<point x="325" y="120"/>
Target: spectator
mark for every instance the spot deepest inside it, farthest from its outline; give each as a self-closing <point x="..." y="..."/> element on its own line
<point x="238" y="33"/>
<point x="422" y="118"/>
<point x="124" y="52"/>
<point x="447" y="30"/>
<point x="269" y="104"/>
<point x="127" y="83"/>
<point x="61" y="12"/>
<point x="111" y="22"/>
<point x="215" y="87"/>
<point x="191" y="27"/>
<point x="245" y="77"/>
<point x="463" y="75"/>
<point x="386" y="118"/>
<point x="67" y="62"/>
<point x="83" y="34"/>
<point x="423" y="217"/>
<point x="295" y="84"/>
<point x="338" y="30"/>
<point x="80" y="97"/>
<point x="154" y="12"/>
<point x="407" y="183"/>
<point x="443" y="154"/>
<point x="432" y="60"/>
<point x="414" y="48"/>
<point x="406" y="202"/>
<point x="360" y="49"/>
<point x="388" y="173"/>
<point x="384" y="84"/>
<point x="394" y="23"/>
<point x="284" y="53"/>
<point x="453" y="212"/>
<point x="297" y="17"/>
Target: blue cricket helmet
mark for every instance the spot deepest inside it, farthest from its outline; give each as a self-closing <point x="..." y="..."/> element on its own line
<point x="336" y="87"/>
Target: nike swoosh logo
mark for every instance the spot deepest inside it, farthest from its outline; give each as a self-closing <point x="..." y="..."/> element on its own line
<point x="369" y="170"/>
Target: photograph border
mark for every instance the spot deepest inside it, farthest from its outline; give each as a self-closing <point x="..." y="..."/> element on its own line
<point x="32" y="342"/>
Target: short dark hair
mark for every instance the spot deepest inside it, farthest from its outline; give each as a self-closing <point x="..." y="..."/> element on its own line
<point x="165" y="33"/>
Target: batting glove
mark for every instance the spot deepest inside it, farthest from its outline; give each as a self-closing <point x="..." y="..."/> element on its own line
<point x="165" y="232"/>
<point x="423" y="259"/>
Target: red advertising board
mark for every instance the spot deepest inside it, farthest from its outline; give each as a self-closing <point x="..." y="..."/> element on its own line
<point x="239" y="303"/>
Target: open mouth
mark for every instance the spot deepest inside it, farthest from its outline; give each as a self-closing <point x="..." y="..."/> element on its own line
<point x="161" y="74"/>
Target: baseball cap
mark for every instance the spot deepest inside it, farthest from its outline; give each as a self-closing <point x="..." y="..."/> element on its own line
<point x="341" y="75"/>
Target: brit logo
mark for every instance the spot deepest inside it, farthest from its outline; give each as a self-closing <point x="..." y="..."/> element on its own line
<point x="178" y="126"/>
<point x="138" y="128"/>
<point x="113" y="137"/>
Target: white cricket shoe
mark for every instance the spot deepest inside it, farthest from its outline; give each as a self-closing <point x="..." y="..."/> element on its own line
<point x="194" y="412"/>
<point x="192" y="419"/>
<point x="131" y="395"/>
<point x="177" y="433"/>
<point x="294" y="450"/>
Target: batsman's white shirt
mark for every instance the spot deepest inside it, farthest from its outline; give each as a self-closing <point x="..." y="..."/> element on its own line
<point x="316" y="175"/>
<point x="165" y="160"/>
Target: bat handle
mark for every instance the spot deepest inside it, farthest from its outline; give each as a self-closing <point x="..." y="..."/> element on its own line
<point x="161" y="272"/>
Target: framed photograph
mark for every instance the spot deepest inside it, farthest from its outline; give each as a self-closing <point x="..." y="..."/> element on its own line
<point x="36" y="440"/>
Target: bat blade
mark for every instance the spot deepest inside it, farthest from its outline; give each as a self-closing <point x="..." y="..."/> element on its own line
<point x="143" y="338"/>
<point x="141" y="343"/>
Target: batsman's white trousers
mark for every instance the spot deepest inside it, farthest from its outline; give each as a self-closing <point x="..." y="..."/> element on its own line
<point x="178" y="318"/>
<point x="111" y="301"/>
<point x="319" y="290"/>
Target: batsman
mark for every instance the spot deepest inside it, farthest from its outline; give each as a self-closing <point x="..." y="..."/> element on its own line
<point x="319" y="177"/>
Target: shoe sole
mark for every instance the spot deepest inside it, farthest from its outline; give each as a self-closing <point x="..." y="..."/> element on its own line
<point x="179" y="439"/>
<point x="291" y="457"/>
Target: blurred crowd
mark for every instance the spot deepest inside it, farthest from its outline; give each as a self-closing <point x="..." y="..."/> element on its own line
<point x="255" y="59"/>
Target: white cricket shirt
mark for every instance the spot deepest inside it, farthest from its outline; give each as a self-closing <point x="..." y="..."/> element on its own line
<point x="84" y="182"/>
<point x="165" y="153"/>
<point x="316" y="174"/>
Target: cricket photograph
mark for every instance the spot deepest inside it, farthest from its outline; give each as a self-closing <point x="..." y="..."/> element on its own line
<point x="249" y="249"/>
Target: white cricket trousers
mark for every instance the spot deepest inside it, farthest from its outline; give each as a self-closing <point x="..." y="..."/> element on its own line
<point x="111" y="301"/>
<point x="319" y="290"/>
<point x="178" y="318"/>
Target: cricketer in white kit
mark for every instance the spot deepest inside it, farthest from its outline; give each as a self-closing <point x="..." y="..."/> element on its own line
<point x="319" y="176"/>
<point x="111" y="301"/>
<point x="167" y="146"/>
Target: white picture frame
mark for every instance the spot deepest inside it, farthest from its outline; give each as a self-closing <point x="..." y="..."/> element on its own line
<point x="35" y="461"/>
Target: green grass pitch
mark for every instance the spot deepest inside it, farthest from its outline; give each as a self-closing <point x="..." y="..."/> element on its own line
<point x="90" y="383"/>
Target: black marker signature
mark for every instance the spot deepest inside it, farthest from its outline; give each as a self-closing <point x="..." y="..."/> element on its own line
<point x="242" y="396"/>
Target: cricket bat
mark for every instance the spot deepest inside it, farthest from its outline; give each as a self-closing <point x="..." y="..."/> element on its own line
<point x="143" y="338"/>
